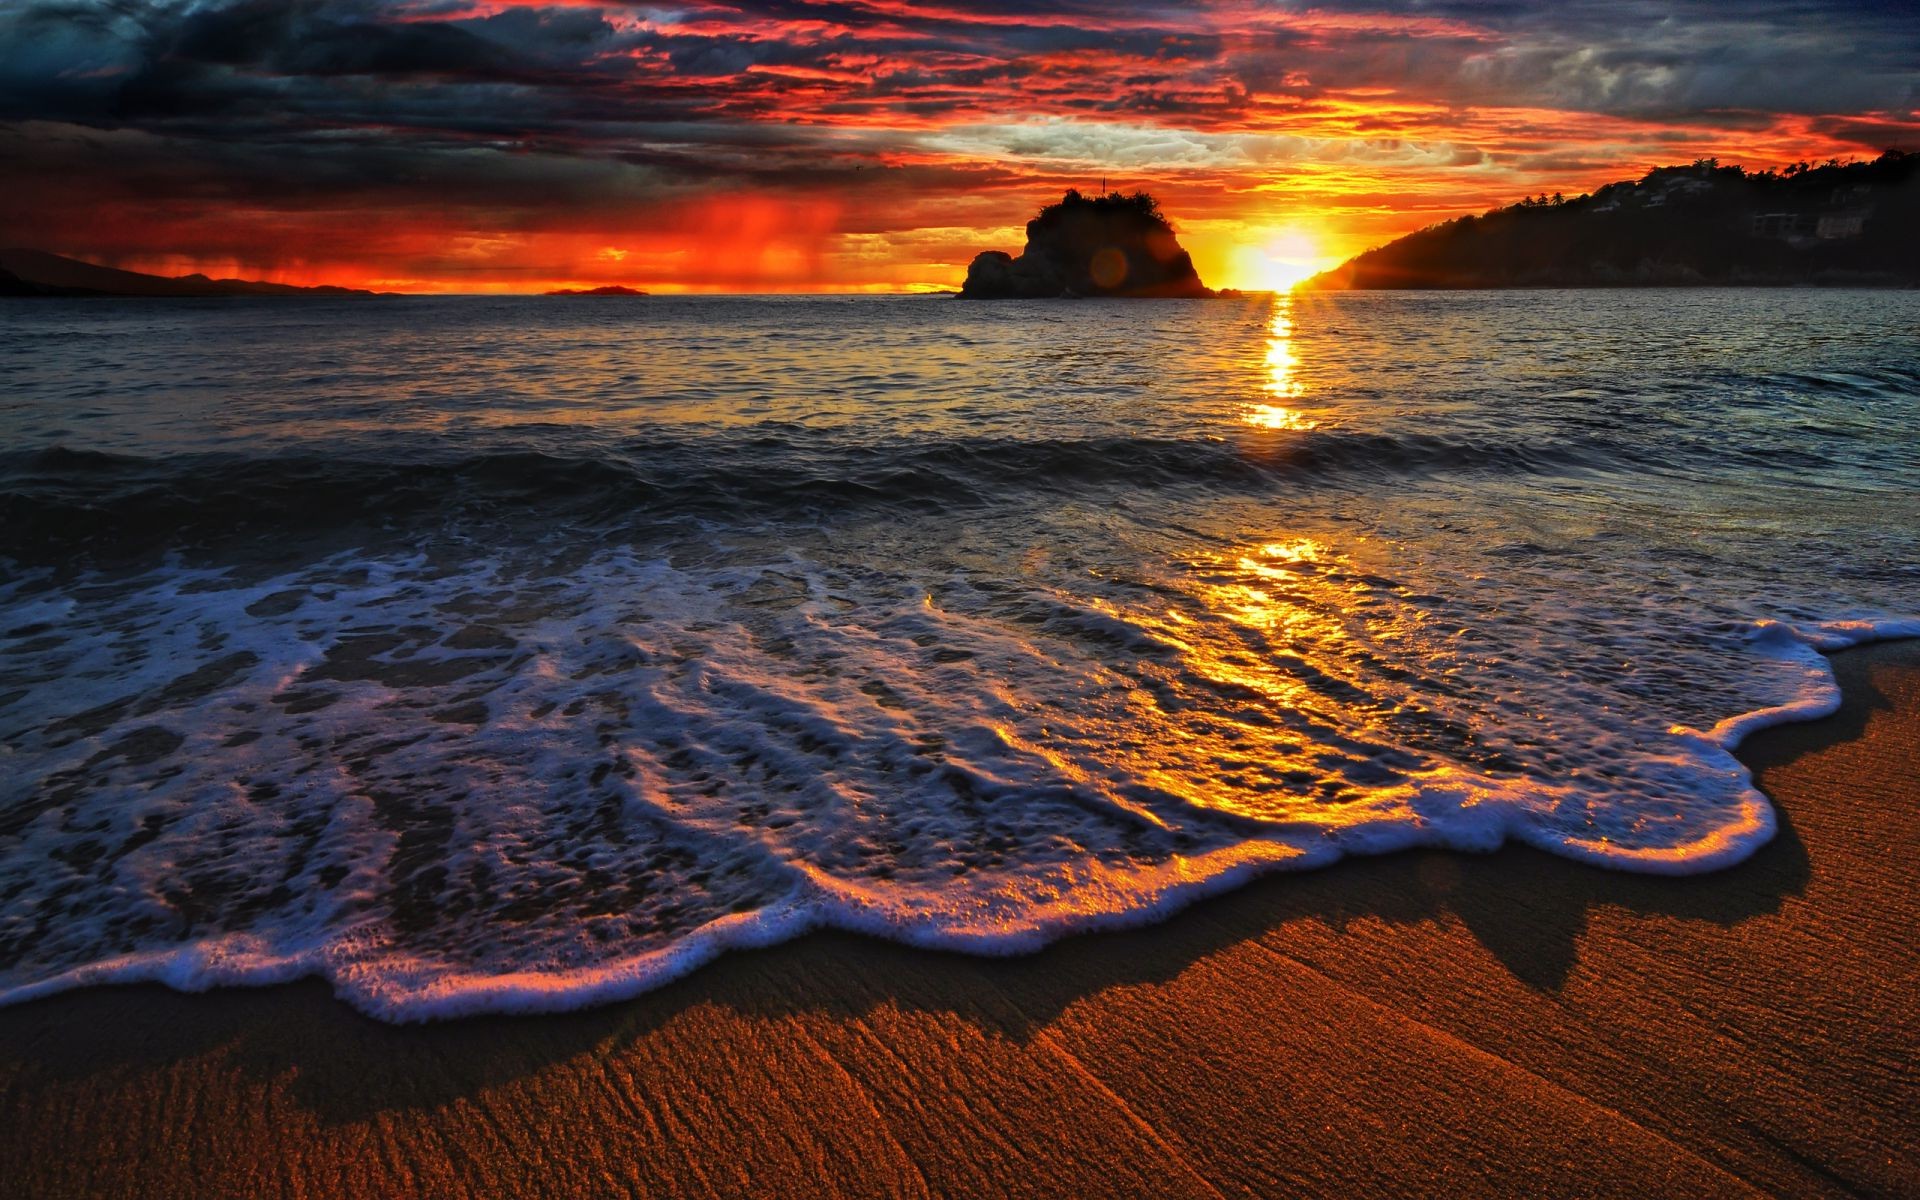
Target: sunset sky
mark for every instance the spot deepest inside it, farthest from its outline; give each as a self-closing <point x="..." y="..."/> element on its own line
<point x="452" y="145"/>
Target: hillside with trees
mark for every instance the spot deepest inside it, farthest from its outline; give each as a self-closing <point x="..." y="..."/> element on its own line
<point x="1834" y="224"/>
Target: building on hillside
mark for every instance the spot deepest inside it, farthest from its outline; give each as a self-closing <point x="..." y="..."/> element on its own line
<point x="1784" y="225"/>
<point x="1846" y="223"/>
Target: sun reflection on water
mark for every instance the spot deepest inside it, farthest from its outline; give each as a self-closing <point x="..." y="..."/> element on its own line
<point x="1281" y="380"/>
<point x="1263" y="705"/>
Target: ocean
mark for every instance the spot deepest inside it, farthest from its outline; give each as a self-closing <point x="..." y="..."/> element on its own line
<point x="520" y="654"/>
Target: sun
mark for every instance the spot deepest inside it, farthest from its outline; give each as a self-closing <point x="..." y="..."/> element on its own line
<point x="1277" y="259"/>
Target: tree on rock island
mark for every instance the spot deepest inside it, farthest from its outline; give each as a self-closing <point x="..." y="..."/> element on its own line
<point x="1110" y="245"/>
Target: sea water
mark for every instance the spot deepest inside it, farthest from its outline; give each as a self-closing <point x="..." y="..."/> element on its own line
<point x="511" y="654"/>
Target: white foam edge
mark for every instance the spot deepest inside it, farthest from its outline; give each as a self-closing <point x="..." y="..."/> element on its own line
<point x="1808" y="645"/>
<point x="241" y="959"/>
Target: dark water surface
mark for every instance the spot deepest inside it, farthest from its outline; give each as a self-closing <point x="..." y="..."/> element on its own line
<point x="518" y="653"/>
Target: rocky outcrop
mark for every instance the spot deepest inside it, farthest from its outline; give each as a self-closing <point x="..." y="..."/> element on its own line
<point x="612" y="289"/>
<point x="1111" y="245"/>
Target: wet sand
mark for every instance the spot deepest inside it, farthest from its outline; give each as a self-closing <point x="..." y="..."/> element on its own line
<point x="1426" y="1023"/>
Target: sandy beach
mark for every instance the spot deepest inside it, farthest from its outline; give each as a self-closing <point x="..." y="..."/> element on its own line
<point x="1421" y="1024"/>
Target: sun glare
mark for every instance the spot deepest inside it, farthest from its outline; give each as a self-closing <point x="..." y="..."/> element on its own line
<point x="1278" y="260"/>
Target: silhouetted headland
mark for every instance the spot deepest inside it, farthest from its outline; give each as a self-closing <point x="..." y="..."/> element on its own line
<point x="1838" y="224"/>
<point x="38" y="273"/>
<point x="1110" y="245"/>
<point x="611" y="289"/>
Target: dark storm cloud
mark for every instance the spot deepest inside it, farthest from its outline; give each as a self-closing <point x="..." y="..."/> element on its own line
<point x="1636" y="57"/>
<point x="535" y="68"/>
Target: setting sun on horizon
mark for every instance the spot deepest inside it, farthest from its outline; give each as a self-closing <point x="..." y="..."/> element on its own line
<point x="1276" y="260"/>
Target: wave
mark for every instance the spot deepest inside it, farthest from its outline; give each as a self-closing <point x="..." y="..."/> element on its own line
<point x="391" y="874"/>
<point x="400" y="988"/>
<point x="56" y="500"/>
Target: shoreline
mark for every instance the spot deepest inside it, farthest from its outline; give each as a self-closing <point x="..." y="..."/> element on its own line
<point x="1513" y="1021"/>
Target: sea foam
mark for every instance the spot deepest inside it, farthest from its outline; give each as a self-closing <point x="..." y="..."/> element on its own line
<point x="511" y="788"/>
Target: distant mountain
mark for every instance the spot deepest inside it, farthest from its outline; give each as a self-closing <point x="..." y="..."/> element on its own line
<point x="37" y="273"/>
<point x="1111" y="245"/>
<point x="1837" y="224"/>
<point x="612" y="289"/>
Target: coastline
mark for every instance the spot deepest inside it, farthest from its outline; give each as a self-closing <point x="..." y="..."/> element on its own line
<point x="1511" y="1022"/>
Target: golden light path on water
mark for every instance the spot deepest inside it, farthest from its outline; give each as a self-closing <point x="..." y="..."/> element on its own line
<point x="1281" y="382"/>
<point x="1274" y="708"/>
<point x="1264" y="704"/>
